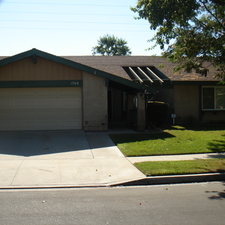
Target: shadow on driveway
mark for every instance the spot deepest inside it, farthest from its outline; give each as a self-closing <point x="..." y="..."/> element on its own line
<point x="34" y="143"/>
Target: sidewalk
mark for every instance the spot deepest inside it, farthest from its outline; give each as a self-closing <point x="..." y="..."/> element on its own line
<point x="176" y="157"/>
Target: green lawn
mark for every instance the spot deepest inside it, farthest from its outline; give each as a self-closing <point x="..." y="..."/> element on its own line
<point x="182" y="167"/>
<point x="176" y="140"/>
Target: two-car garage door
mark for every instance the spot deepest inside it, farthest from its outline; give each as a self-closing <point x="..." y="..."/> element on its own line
<point x="40" y="108"/>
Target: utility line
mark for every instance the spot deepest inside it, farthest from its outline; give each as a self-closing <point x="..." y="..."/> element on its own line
<point x="55" y="21"/>
<point x="83" y="14"/>
<point x="48" y="3"/>
<point x="40" y="28"/>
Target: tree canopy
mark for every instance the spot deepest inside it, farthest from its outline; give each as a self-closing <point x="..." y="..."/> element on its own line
<point x="111" y="45"/>
<point x="190" y="32"/>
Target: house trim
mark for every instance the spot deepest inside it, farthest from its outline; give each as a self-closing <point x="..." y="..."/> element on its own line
<point x="202" y="83"/>
<point x="46" y="83"/>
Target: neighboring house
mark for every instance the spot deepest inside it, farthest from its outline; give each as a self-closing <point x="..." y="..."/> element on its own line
<point x="195" y="98"/>
<point x="41" y="91"/>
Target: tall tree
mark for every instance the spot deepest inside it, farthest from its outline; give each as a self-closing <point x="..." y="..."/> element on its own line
<point x="111" y="45"/>
<point x="191" y="32"/>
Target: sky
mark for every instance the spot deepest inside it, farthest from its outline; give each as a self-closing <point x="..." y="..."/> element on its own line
<point x="70" y="27"/>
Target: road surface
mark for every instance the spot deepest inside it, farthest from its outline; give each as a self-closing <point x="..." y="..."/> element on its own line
<point x="200" y="203"/>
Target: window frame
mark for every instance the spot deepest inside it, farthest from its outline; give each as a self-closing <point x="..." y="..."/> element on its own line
<point x="214" y="95"/>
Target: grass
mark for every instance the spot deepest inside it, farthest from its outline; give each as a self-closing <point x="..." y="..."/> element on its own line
<point x="175" y="140"/>
<point x="182" y="167"/>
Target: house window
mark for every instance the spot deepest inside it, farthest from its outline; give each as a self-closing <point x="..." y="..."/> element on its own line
<point x="213" y="98"/>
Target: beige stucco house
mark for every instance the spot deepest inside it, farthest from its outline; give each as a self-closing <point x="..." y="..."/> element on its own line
<point x="41" y="91"/>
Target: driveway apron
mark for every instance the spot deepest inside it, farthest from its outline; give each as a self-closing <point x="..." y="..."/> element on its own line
<point x="61" y="159"/>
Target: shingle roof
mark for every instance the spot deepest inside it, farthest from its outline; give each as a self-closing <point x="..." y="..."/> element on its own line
<point x="115" y="64"/>
<point x="2" y="57"/>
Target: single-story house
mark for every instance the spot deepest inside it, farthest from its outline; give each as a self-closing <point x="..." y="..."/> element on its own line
<point x="41" y="91"/>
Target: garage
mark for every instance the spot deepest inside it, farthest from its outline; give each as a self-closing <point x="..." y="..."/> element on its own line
<point x="51" y="108"/>
<point x="42" y="91"/>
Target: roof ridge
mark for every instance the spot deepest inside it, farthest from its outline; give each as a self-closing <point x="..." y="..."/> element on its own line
<point x="130" y="56"/>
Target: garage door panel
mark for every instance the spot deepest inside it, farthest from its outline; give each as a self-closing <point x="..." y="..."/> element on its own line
<point x="69" y="92"/>
<point x="69" y="103"/>
<point x="46" y="92"/>
<point x="6" y="125"/>
<point x="47" y="103"/>
<point x="45" y="115"/>
<point x="24" y="103"/>
<point x="70" y="114"/>
<point x="40" y="108"/>
<point x="5" y="103"/>
<point x="22" y="115"/>
<point x="24" y="125"/>
<point x="23" y="94"/>
<point x="14" y="125"/>
<point x="70" y="124"/>
<point x="48" y="125"/>
<point x="6" y="93"/>
<point x="6" y="115"/>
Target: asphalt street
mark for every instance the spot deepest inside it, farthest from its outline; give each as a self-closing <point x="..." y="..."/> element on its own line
<point x="199" y="203"/>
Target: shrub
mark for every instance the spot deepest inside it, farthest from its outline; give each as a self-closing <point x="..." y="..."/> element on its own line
<point x="156" y="113"/>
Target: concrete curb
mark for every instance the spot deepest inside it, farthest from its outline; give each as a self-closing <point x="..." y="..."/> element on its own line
<point x="153" y="180"/>
<point x="175" y="179"/>
<point x="43" y="187"/>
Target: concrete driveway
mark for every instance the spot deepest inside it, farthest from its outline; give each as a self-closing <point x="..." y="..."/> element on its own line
<point x="62" y="159"/>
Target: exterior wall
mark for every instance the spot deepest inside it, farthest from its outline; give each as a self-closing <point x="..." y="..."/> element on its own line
<point x="131" y="111"/>
<point x="213" y="116"/>
<point x="166" y="95"/>
<point x="94" y="103"/>
<point x="140" y="112"/>
<point x="186" y="103"/>
<point x="26" y="70"/>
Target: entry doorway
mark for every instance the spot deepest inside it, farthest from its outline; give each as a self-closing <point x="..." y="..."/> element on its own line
<point x="121" y="109"/>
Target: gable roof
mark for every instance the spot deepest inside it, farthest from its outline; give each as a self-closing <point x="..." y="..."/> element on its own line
<point x="74" y="64"/>
<point x="114" y="67"/>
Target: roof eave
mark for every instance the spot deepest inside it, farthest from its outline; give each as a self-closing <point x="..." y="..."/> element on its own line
<point x="67" y="62"/>
<point x="196" y="82"/>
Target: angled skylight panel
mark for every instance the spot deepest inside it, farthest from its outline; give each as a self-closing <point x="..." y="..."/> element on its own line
<point x="135" y="74"/>
<point x="145" y="75"/>
<point x="130" y="74"/>
<point x="149" y="75"/>
<point x="140" y="74"/>
<point x="154" y="74"/>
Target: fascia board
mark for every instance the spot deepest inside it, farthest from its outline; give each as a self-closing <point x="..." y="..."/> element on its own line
<point x="72" y="64"/>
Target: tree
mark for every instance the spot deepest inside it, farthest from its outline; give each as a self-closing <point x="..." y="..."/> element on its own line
<point x="111" y="45"/>
<point x="190" y="32"/>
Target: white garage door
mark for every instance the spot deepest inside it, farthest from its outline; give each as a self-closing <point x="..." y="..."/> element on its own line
<point x="40" y="108"/>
